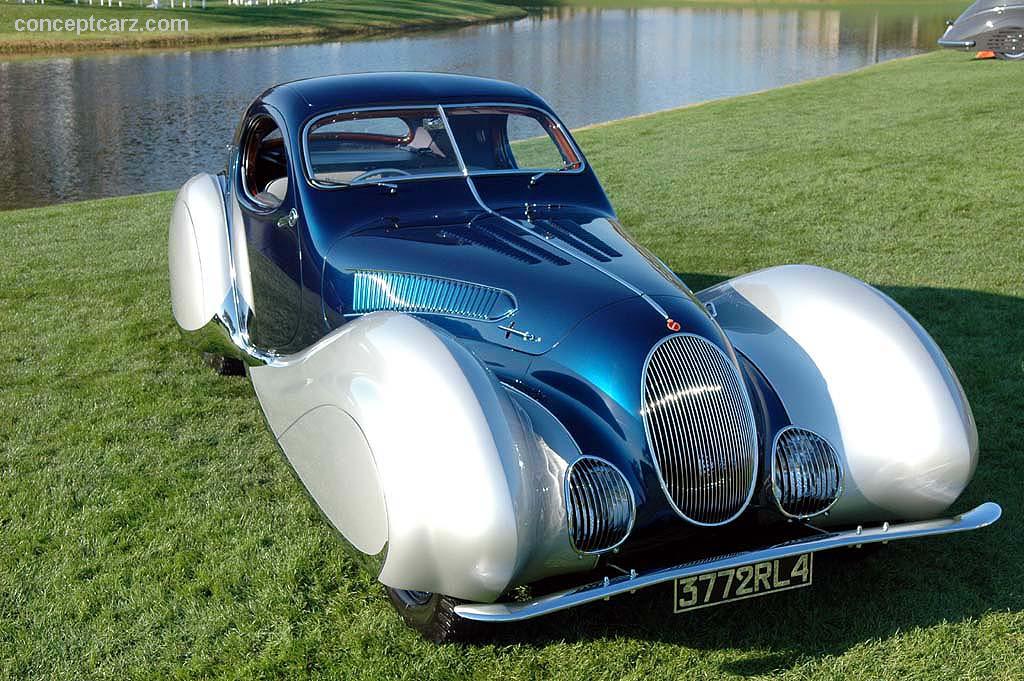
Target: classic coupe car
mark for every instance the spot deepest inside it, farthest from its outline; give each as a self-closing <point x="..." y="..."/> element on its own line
<point x="989" y="26"/>
<point x="507" y="407"/>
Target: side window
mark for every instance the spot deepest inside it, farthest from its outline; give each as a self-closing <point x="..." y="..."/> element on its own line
<point x="497" y="138"/>
<point x="265" y="163"/>
<point x="534" y="145"/>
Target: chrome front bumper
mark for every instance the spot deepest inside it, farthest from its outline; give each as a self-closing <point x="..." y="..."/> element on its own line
<point x="961" y="44"/>
<point x="979" y="517"/>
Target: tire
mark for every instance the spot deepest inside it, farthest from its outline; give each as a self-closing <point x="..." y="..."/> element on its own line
<point x="1010" y="56"/>
<point x="432" y="615"/>
<point x="224" y="366"/>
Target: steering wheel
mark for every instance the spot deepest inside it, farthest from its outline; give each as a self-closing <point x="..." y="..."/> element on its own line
<point x="378" y="172"/>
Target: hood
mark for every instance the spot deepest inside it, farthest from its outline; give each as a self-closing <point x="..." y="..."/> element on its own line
<point x="594" y="383"/>
<point x="522" y="283"/>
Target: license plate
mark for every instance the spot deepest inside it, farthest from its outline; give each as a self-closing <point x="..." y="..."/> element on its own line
<point x="744" y="581"/>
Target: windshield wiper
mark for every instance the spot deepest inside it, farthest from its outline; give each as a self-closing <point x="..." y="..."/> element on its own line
<point x="536" y="178"/>
<point x="390" y="186"/>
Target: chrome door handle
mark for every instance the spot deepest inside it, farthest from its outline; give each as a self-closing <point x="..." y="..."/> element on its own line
<point x="289" y="220"/>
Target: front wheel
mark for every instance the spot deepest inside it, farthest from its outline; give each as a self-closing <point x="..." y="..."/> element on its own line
<point x="432" y="615"/>
<point x="1010" y="56"/>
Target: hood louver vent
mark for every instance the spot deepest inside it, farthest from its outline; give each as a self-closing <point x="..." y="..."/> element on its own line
<point x="575" y="236"/>
<point x="377" y="290"/>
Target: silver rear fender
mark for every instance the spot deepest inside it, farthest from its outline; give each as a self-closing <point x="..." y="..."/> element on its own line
<point x="199" y="255"/>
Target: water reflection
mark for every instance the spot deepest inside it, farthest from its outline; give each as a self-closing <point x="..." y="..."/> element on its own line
<point x="74" y="128"/>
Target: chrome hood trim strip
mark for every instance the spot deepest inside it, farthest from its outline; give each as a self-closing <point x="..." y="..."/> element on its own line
<point x="562" y="249"/>
<point x="976" y="518"/>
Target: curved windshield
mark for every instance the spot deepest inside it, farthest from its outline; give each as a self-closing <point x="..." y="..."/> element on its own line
<point x="360" y="147"/>
<point x="376" y="146"/>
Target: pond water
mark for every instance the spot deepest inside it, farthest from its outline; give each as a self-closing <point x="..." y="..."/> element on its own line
<point x="112" y="124"/>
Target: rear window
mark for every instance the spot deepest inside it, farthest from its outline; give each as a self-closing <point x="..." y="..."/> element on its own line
<point x="374" y="146"/>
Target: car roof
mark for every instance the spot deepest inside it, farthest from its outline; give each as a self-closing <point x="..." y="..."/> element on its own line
<point x="301" y="99"/>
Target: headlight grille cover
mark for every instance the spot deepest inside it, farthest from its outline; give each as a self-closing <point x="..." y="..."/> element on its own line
<point x="600" y="505"/>
<point x="807" y="475"/>
<point x="700" y="429"/>
<point x="374" y="290"/>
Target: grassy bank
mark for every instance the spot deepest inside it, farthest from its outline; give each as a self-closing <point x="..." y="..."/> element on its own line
<point x="220" y="23"/>
<point x="640" y="4"/>
<point x="151" y="530"/>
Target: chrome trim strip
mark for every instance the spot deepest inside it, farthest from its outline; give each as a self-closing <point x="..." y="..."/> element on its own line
<point x="569" y="510"/>
<point x="654" y="452"/>
<point x="966" y="44"/>
<point x="575" y="256"/>
<point x="976" y="518"/>
<point x="458" y="152"/>
<point x="230" y="324"/>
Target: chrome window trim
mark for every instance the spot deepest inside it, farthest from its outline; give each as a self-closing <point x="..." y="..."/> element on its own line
<point x="771" y="473"/>
<point x="650" y="444"/>
<point x="568" y="509"/>
<point x="440" y="108"/>
<point x="253" y="204"/>
<point x="458" y="152"/>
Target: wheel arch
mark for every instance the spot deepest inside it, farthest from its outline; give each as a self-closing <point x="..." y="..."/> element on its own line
<point x="464" y="505"/>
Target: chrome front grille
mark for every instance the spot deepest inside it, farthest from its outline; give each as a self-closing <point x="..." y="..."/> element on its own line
<point x="374" y="290"/>
<point x="700" y="429"/>
<point x="600" y="505"/>
<point x="807" y="475"/>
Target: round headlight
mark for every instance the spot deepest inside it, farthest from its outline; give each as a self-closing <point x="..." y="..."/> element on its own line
<point x="600" y="505"/>
<point x="807" y="475"/>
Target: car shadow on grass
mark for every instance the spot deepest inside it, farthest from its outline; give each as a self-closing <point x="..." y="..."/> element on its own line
<point x="859" y="596"/>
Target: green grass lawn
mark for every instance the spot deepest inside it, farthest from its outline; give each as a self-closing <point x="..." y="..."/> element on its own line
<point x="631" y="4"/>
<point x="221" y="23"/>
<point x="151" y="529"/>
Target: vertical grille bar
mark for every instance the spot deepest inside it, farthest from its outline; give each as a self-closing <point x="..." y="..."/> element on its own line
<point x="807" y="473"/>
<point x="700" y="429"/>
<point x="600" y="505"/>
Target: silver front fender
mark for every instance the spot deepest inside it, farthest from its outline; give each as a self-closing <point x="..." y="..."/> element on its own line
<point x="849" y="363"/>
<point x="414" y="451"/>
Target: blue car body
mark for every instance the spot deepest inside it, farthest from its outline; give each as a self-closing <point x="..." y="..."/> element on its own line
<point x="621" y="411"/>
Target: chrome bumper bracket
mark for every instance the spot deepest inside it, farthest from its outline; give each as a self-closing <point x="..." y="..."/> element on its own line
<point x="976" y="518"/>
<point x="963" y="44"/>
